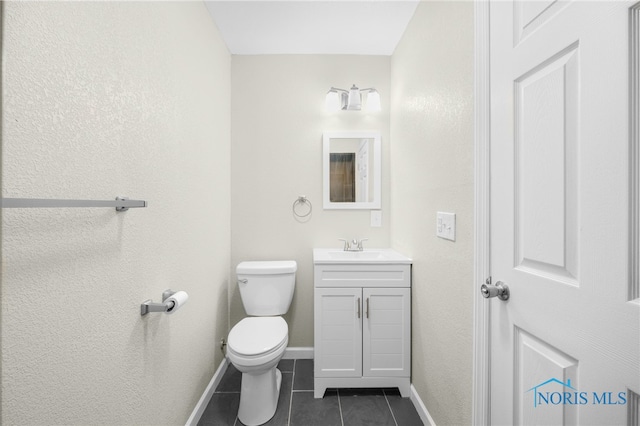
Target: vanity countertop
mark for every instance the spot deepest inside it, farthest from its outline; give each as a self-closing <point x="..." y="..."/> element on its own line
<point x="386" y="256"/>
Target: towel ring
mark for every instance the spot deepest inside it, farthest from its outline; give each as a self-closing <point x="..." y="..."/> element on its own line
<point x="303" y="201"/>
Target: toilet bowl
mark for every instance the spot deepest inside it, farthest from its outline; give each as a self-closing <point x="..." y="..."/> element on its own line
<point x="256" y="344"/>
<point x="255" y="347"/>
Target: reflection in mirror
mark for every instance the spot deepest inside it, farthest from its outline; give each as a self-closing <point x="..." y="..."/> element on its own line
<point x="351" y="170"/>
<point x="342" y="177"/>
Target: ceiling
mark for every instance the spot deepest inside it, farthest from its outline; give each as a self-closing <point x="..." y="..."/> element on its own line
<point x="361" y="27"/>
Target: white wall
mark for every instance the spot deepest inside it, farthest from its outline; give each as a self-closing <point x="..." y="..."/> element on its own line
<point x="432" y="170"/>
<point x="103" y="99"/>
<point x="143" y="99"/>
<point x="277" y="122"/>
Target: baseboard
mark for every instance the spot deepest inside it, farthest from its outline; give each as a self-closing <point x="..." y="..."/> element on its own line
<point x="421" y="408"/>
<point x="198" y="410"/>
<point x="298" y="353"/>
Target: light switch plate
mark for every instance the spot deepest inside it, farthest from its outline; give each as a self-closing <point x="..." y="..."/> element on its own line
<point x="376" y="218"/>
<point x="446" y="226"/>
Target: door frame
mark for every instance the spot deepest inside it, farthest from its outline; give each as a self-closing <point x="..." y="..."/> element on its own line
<point x="481" y="396"/>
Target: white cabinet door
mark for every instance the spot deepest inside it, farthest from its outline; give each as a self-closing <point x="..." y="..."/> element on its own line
<point x="338" y="332"/>
<point x="386" y="332"/>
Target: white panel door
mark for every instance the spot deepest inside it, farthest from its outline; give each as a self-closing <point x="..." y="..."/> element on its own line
<point x="565" y="347"/>
<point x="338" y="332"/>
<point x="386" y="332"/>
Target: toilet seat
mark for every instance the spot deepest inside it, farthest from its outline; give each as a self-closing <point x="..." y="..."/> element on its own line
<point x="257" y="338"/>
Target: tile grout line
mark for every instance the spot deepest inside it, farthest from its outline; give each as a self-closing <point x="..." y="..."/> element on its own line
<point x="293" y="377"/>
<point x="339" y="407"/>
<point x="389" y="405"/>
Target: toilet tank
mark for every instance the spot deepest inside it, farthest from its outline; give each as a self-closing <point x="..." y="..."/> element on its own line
<point x="266" y="287"/>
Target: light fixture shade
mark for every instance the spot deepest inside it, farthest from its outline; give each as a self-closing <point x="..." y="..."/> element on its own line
<point x="373" y="101"/>
<point x="332" y="101"/>
<point x="355" y="100"/>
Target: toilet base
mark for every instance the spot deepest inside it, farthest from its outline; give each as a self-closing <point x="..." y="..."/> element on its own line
<point x="259" y="396"/>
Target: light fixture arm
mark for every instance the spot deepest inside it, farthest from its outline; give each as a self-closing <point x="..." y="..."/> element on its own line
<point x="341" y="99"/>
<point x="368" y="89"/>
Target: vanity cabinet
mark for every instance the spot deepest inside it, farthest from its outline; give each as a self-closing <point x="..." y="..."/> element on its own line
<point x="362" y="326"/>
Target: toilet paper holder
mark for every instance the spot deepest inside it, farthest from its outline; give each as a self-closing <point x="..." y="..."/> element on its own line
<point x="149" y="306"/>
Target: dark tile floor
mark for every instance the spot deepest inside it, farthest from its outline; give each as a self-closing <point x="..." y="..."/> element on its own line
<point x="298" y="407"/>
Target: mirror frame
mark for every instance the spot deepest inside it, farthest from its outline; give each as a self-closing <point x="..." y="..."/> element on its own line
<point x="377" y="169"/>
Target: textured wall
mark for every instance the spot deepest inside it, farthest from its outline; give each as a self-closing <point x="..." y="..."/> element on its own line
<point x="103" y="99"/>
<point x="278" y="118"/>
<point x="432" y="170"/>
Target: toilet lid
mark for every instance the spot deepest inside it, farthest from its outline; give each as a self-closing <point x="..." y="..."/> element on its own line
<point x="257" y="335"/>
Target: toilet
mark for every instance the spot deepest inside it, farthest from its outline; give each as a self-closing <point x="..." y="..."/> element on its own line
<point x="257" y="343"/>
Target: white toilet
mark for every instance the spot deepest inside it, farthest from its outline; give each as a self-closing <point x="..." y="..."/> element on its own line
<point x="256" y="344"/>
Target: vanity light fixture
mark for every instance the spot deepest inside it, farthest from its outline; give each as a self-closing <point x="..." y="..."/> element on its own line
<point x="351" y="100"/>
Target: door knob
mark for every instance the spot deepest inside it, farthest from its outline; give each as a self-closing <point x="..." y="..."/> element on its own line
<point x="501" y="290"/>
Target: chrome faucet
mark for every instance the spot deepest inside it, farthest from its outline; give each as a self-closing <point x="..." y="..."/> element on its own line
<point x="353" y="245"/>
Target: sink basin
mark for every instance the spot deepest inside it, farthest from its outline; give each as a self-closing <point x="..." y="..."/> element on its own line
<point x="355" y="254"/>
<point x="385" y="256"/>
